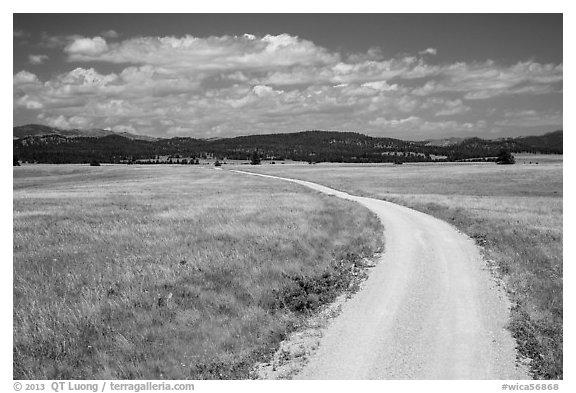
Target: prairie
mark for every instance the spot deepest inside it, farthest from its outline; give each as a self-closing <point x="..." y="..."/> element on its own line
<point x="175" y="272"/>
<point x="513" y="212"/>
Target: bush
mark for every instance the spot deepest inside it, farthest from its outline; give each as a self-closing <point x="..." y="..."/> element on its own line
<point x="305" y="294"/>
<point x="505" y="158"/>
<point x="255" y="160"/>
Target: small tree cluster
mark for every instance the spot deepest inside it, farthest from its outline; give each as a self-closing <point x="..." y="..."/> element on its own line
<point x="505" y="158"/>
<point x="255" y="160"/>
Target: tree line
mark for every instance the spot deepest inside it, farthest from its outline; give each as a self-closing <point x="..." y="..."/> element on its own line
<point x="310" y="146"/>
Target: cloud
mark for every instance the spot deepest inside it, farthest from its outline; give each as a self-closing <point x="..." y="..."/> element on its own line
<point x="212" y="53"/>
<point x="429" y="51"/>
<point x="231" y="85"/>
<point x="24" y="78"/>
<point x="445" y="107"/>
<point x="411" y="121"/>
<point x="53" y="41"/>
<point x="37" y="59"/>
<point x="89" y="47"/>
<point x="483" y="94"/>
<point x="20" y="34"/>
<point x="109" y="34"/>
<point x="25" y="101"/>
<point x="380" y="85"/>
<point x="478" y="81"/>
<point x="55" y="121"/>
<point x="419" y="127"/>
<point x="64" y="122"/>
<point x="265" y="91"/>
<point x="531" y="118"/>
<point x="85" y="77"/>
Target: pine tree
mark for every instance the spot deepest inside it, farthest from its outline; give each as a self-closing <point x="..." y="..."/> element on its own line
<point x="505" y="158"/>
<point x="255" y="158"/>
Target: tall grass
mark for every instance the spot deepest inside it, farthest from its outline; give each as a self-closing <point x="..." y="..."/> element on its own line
<point x="513" y="212"/>
<point x="171" y="272"/>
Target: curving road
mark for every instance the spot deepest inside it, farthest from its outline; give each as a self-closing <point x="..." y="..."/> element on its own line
<point x="429" y="309"/>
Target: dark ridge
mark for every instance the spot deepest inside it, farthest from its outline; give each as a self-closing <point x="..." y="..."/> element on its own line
<point x="37" y="143"/>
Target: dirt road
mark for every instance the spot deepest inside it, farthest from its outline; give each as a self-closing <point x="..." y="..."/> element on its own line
<point x="429" y="310"/>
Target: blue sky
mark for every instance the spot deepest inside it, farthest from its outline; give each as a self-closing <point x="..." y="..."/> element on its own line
<point x="407" y="76"/>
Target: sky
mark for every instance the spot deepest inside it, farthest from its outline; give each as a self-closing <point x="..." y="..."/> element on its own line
<point x="408" y="76"/>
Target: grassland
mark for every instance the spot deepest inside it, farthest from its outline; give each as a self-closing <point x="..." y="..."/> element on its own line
<point x="514" y="212"/>
<point x="172" y="272"/>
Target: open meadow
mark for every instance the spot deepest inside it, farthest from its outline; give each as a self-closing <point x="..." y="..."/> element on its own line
<point x="513" y="211"/>
<point x="175" y="272"/>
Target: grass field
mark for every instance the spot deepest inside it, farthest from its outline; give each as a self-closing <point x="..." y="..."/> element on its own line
<point x="514" y="212"/>
<point x="172" y="272"/>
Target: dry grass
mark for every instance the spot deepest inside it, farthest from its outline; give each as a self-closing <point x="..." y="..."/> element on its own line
<point x="514" y="212"/>
<point x="166" y="272"/>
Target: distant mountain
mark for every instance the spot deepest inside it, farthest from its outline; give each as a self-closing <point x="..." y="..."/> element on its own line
<point x="443" y="142"/>
<point x="41" y="130"/>
<point x="550" y="143"/>
<point x="34" y="130"/>
<point x="551" y="140"/>
<point x="50" y="145"/>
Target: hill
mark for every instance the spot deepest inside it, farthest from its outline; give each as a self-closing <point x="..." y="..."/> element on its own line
<point x="38" y="143"/>
<point x="550" y="141"/>
<point x="444" y="142"/>
<point x="41" y="130"/>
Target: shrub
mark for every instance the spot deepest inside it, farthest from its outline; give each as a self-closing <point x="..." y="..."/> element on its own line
<point x="505" y="158"/>
<point x="255" y="160"/>
<point x="307" y="293"/>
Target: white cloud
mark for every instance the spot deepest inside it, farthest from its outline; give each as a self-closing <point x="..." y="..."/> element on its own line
<point x="380" y="85"/>
<point x="265" y="91"/>
<point x="429" y="51"/>
<point x="411" y="121"/>
<point x="487" y="80"/>
<point x="54" y="121"/>
<point x="25" y="77"/>
<point x="245" y="84"/>
<point x="531" y="118"/>
<point x="81" y="47"/>
<point x="54" y="41"/>
<point x="236" y="76"/>
<point x="419" y="128"/>
<point x="20" y="34"/>
<point x="446" y="107"/>
<point x="37" y="59"/>
<point x="110" y="34"/>
<point x="86" y="77"/>
<point x="25" y="101"/>
<point x="212" y="53"/>
<point x="64" y="122"/>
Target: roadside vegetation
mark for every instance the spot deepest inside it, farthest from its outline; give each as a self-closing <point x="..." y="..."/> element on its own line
<point x="173" y="272"/>
<point x="514" y="212"/>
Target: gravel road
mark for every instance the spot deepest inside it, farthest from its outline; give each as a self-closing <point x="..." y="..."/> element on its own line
<point x="430" y="309"/>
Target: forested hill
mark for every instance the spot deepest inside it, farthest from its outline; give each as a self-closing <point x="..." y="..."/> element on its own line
<point x="46" y="145"/>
